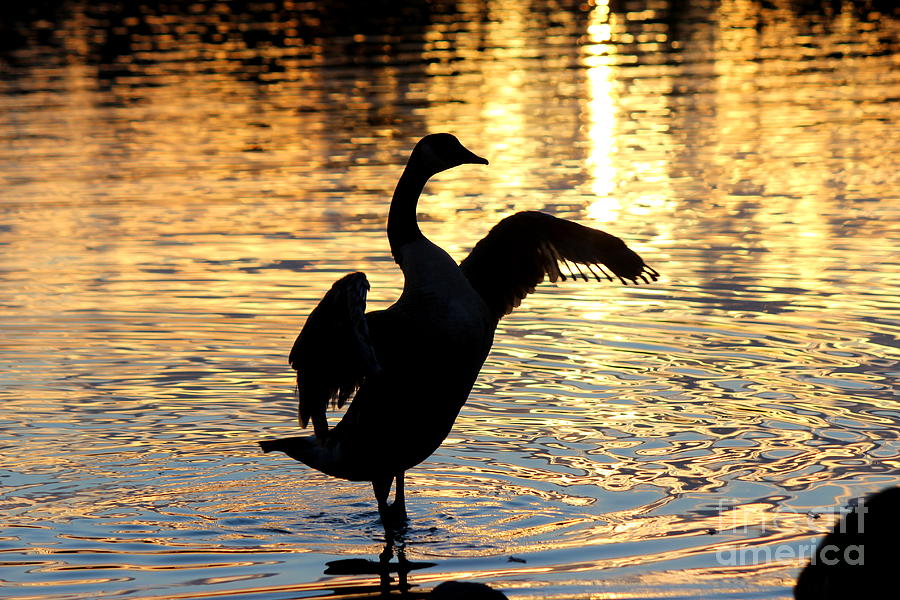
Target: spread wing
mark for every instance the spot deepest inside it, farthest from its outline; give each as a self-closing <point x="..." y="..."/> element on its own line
<point x="333" y="354"/>
<point x="522" y="249"/>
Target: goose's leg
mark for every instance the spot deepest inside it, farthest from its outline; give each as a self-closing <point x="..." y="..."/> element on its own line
<point x="382" y="488"/>
<point x="399" y="505"/>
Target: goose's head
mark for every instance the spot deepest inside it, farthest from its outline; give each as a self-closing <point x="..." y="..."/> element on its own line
<point x="441" y="151"/>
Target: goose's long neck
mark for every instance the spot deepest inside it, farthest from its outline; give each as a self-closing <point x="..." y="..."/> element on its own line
<point x="402" y="227"/>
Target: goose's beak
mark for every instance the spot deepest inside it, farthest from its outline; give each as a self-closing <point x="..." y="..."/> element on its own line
<point x="474" y="159"/>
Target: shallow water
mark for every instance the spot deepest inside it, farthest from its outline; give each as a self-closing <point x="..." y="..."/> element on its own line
<point x="180" y="188"/>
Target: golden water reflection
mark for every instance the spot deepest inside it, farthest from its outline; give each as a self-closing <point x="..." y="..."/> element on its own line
<point x="180" y="187"/>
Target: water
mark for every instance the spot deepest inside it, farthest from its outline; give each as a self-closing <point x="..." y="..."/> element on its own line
<point x="180" y="184"/>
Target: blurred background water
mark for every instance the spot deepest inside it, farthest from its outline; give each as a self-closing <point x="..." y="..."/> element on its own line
<point x="181" y="182"/>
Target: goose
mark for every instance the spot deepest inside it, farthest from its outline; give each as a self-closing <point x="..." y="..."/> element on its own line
<point x="409" y="368"/>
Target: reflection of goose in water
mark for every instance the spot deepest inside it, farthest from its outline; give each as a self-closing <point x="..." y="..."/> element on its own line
<point x="385" y="568"/>
<point x="413" y="365"/>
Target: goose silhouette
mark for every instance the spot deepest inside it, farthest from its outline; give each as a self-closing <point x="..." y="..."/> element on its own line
<point x="409" y="368"/>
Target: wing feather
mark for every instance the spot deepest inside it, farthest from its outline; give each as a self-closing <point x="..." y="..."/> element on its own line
<point x="333" y="354"/>
<point x="523" y="249"/>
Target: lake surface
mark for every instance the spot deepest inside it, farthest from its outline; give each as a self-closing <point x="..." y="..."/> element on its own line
<point x="182" y="183"/>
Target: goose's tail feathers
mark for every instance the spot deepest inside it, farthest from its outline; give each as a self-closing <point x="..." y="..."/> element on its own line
<point x="298" y="448"/>
<point x="326" y="458"/>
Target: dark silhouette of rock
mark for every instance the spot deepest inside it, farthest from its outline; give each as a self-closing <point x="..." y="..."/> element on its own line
<point x="465" y="590"/>
<point x="856" y="559"/>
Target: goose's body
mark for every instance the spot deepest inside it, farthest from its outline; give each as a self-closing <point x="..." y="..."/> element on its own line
<point x="430" y="346"/>
<point x="413" y="365"/>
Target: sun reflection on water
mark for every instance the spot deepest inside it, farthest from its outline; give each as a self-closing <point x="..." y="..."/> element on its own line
<point x="602" y="106"/>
